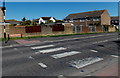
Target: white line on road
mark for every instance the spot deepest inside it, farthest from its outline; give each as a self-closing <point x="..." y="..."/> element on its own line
<point x="94" y="51"/>
<point x="30" y="45"/>
<point x="52" y="50"/>
<point x="84" y="62"/>
<point x="37" y="52"/>
<point x="30" y="57"/>
<point x="114" y="56"/>
<point x="15" y="49"/>
<point x="42" y="65"/>
<point x="57" y="56"/>
<point x="39" y="47"/>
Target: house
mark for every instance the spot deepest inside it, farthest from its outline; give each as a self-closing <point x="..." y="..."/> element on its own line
<point x="45" y="20"/>
<point x="1" y="22"/>
<point x="115" y="21"/>
<point x="92" y="21"/>
<point x="1" y="15"/>
<point x="13" y="22"/>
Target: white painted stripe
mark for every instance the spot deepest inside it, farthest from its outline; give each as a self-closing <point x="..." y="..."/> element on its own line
<point x="30" y="45"/>
<point x="51" y="50"/>
<point x="57" y="56"/>
<point x="15" y="49"/>
<point x="94" y="51"/>
<point x="39" y="47"/>
<point x="42" y="65"/>
<point x="114" y="56"/>
<point x="84" y="62"/>
<point x="30" y="57"/>
<point x="37" y="52"/>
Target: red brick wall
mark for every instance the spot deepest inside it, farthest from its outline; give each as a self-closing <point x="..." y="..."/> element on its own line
<point x="98" y="28"/>
<point x="85" y="29"/>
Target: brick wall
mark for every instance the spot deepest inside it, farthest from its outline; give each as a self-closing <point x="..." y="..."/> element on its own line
<point x="111" y="29"/>
<point x="98" y="28"/>
<point x="85" y="29"/>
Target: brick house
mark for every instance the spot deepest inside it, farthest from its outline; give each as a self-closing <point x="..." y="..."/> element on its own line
<point x="92" y="21"/>
<point x="1" y="15"/>
<point x="115" y="21"/>
<point x="1" y="21"/>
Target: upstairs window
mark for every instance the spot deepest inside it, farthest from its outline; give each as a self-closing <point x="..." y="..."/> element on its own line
<point x="82" y="20"/>
<point x="96" y="19"/>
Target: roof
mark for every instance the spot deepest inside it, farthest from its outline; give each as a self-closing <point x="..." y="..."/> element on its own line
<point x="86" y="14"/>
<point x="46" y="18"/>
<point x="12" y="20"/>
<point x="114" y="18"/>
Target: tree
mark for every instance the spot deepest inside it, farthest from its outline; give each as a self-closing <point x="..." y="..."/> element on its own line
<point x="24" y="19"/>
<point x="59" y="21"/>
<point x="33" y="22"/>
<point x="28" y="22"/>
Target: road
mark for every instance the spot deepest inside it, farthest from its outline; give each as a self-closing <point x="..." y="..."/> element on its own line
<point x="78" y="55"/>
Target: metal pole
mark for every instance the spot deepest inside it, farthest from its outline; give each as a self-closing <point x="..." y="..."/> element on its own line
<point x="119" y="14"/>
<point x="4" y="9"/>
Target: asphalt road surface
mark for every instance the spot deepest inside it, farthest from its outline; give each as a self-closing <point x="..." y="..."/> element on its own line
<point x="79" y="55"/>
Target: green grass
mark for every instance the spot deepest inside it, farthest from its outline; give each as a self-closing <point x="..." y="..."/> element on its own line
<point x="16" y="38"/>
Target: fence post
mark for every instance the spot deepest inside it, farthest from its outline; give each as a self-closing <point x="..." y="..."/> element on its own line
<point x="8" y="36"/>
<point x="21" y="35"/>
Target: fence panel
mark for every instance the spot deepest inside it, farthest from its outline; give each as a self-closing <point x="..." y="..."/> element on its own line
<point x="58" y="28"/>
<point x="32" y="29"/>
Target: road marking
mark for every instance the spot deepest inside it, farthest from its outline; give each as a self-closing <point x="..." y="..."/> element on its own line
<point x="88" y="75"/>
<point x="42" y="65"/>
<point x="114" y="56"/>
<point x="30" y="45"/>
<point x="84" y="62"/>
<point x="15" y="49"/>
<point x="52" y="50"/>
<point x="39" y="47"/>
<point x="57" y="56"/>
<point x="30" y="57"/>
<point x="37" y="52"/>
<point x="94" y="51"/>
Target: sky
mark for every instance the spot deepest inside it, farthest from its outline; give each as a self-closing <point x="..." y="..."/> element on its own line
<point x="61" y="0"/>
<point x="59" y="10"/>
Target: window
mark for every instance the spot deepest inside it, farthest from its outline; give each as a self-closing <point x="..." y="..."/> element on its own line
<point x="77" y="29"/>
<point x="96" y="19"/>
<point x="92" y="28"/>
<point x="75" y="20"/>
<point x="82" y="20"/>
<point x="112" y="21"/>
<point x="116" y="21"/>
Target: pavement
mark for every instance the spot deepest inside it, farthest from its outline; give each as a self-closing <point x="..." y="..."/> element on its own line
<point x="69" y="56"/>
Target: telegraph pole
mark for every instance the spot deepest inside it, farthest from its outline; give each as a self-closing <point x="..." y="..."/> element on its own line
<point x="4" y="9"/>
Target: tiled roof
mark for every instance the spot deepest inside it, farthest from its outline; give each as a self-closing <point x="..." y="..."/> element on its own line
<point x="46" y="18"/>
<point x="85" y="14"/>
<point x="114" y="18"/>
<point x="12" y="20"/>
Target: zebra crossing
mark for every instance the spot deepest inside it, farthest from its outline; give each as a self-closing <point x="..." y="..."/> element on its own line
<point x="76" y="63"/>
